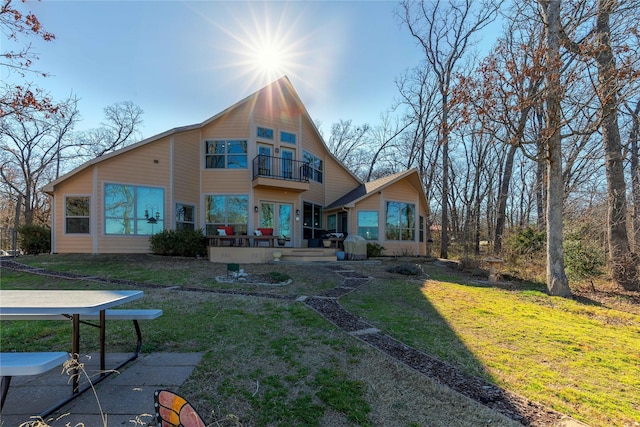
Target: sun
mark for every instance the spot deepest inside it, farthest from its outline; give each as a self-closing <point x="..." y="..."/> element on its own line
<point x="267" y="42"/>
<point x="270" y="58"/>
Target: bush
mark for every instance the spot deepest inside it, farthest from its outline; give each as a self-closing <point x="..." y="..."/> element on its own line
<point x="277" y="277"/>
<point x="35" y="239"/>
<point x="187" y="243"/>
<point x="582" y="260"/>
<point x="374" y="250"/>
<point x="528" y="241"/>
<point x="406" y="269"/>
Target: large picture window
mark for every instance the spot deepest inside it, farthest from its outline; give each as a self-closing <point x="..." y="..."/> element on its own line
<point x="227" y="210"/>
<point x="77" y="215"/>
<point x="133" y="210"/>
<point x="315" y="166"/>
<point x="185" y="217"/>
<point x="401" y="221"/>
<point x="226" y="154"/>
<point x="368" y="224"/>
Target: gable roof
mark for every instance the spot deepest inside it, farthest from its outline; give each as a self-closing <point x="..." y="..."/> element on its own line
<point x="366" y="189"/>
<point x="283" y="84"/>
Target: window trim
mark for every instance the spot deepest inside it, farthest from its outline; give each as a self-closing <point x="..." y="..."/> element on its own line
<point x="399" y="227"/>
<point x="314" y="172"/>
<point x="137" y="216"/>
<point x="377" y="226"/>
<point x="226" y="154"/>
<point x="209" y="225"/>
<point x="295" y="137"/>
<point x="177" y="216"/>
<point x="88" y="216"/>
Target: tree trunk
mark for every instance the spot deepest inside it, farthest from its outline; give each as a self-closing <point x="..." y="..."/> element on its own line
<point x="623" y="261"/>
<point x="557" y="283"/>
<point x="635" y="177"/>
<point x="502" y="200"/>
<point x="444" y="241"/>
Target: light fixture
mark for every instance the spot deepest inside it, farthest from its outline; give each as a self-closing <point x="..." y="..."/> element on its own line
<point x="297" y="212"/>
<point x="255" y="209"/>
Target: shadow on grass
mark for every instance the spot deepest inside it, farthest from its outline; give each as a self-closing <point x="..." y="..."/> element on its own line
<point x="407" y="305"/>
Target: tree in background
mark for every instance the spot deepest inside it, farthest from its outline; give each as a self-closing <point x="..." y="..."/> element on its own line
<point x="33" y="148"/>
<point x="121" y="127"/>
<point x="21" y="100"/>
<point x="446" y="31"/>
<point x="595" y="43"/>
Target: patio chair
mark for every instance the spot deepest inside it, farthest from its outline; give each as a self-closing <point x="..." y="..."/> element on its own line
<point x="173" y="410"/>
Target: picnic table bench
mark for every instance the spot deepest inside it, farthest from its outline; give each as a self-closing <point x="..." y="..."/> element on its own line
<point x="32" y="363"/>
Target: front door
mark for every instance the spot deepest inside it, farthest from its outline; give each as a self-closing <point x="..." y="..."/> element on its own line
<point x="278" y="216"/>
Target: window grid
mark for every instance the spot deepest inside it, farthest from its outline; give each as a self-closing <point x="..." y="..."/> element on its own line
<point x="226" y="154"/>
<point x="77" y="215"/>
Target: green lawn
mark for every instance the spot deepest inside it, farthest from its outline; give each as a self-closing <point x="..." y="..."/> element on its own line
<point x="580" y="359"/>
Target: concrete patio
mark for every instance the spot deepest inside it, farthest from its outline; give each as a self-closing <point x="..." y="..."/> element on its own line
<point x="124" y="396"/>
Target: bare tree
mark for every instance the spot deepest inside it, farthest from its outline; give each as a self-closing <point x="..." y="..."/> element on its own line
<point x="445" y="31"/>
<point x="22" y="98"/>
<point x="120" y="128"/>
<point x="557" y="283"/>
<point x="595" y="43"/>
<point x="32" y="149"/>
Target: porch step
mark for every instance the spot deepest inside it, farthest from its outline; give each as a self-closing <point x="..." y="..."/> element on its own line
<point x="308" y="255"/>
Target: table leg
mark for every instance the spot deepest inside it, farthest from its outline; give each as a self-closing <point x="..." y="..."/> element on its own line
<point x="75" y="351"/>
<point x="103" y="327"/>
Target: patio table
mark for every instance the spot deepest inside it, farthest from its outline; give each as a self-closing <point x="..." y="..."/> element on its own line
<point x="29" y="304"/>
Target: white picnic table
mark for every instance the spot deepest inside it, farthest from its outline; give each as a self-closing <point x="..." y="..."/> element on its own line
<point x="36" y="304"/>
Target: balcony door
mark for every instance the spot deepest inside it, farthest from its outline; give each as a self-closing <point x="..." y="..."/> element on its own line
<point x="287" y="156"/>
<point x="278" y="216"/>
<point x="264" y="151"/>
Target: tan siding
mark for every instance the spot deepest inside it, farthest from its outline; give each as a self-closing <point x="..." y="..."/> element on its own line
<point x="136" y="167"/>
<point x="338" y="181"/>
<point x="275" y="109"/>
<point x="226" y="181"/>
<point x="186" y="167"/>
<point x="80" y="185"/>
<point x="401" y="191"/>
<point x="146" y="165"/>
<point x="234" y="124"/>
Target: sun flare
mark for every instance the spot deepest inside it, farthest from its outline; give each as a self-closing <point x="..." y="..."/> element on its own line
<point x="268" y="41"/>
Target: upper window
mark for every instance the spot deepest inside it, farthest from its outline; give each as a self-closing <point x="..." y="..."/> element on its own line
<point x="368" y="224"/>
<point x="227" y="210"/>
<point x="133" y="210"/>
<point x="226" y="154"/>
<point x="265" y="133"/>
<point x="185" y="217"/>
<point x="315" y="166"/>
<point x="77" y="215"/>
<point x="287" y="137"/>
<point x="401" y="221"/>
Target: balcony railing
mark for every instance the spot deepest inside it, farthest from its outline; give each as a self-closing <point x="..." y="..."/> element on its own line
<point x="280" y="168"/>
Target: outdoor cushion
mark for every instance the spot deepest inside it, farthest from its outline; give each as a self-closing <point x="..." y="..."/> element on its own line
<point x="225" y="231"/>
<point x="257" y="233"/>
<point x="266" y="231"/>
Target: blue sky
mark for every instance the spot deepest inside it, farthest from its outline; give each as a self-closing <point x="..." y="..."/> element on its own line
<point x="183" y="62"/>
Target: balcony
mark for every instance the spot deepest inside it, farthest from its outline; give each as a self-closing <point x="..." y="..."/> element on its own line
<point x="280" y="173"/>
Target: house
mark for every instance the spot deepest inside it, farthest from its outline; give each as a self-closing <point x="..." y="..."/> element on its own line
<point x="261" y="163"/>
